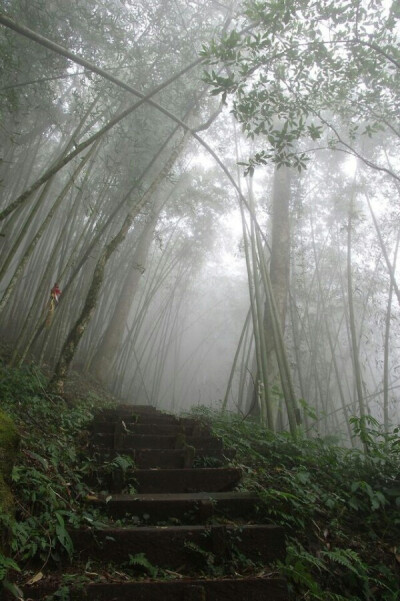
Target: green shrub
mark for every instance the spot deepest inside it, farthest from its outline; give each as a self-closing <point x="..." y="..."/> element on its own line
<point x="47" y="478"/>
<point x="339" y="507"/>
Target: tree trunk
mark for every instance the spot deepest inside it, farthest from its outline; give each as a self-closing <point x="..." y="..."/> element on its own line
<point x="279" y="268"/>
<point x="56" y="383"/>
<point x="77" y="331"/>
<point x="386" y="346"/>
<point x="352" y="324"/>
<point x="103" y="359"/>
<point x="280" y="242"/>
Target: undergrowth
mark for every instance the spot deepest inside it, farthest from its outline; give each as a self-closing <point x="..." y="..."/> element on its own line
<point x="47" y="480"/>
<point x="340" y="508"/>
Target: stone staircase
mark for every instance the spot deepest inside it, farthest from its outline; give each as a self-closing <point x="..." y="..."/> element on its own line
<point x="184" y="517"/>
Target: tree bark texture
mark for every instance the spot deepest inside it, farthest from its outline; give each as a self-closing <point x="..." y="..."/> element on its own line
<point x="280" y="249"/>
<point x="56" y="383"/>
<point x="103" y="359"/>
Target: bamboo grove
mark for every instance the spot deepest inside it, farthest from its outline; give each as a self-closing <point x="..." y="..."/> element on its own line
<point x="214" y="187"/>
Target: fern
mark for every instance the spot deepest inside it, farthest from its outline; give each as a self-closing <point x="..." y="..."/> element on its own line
<point x="140" y="560"/>
<point x="298" y="569"/>
<point x="335" y="597"/>
<point x="193" y="547"/>
<point x="6" y="564"/>
<point x="206" y="559"/>
<point x="349" y="559"/>
<point x="122" y="462"/>
<point x="61" y="594"/>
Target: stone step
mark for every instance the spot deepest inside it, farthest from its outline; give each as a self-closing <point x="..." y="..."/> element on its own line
<point x="214" y="589"/>
<point x="174" y="491"/>
<point x="182" y="547"/>
<point x="186" y="507"/>
<point x="163" y="418"/>
<point x="112" y="415"/>
<point x="122" y="409"/>
<point x="125" y="412"/>
<point x="156" y="441"/>
<point x="190" y="429"/>
<point x="187" y="480"/>
<point x="177" y="477"/>
<point x="169" y="458"/>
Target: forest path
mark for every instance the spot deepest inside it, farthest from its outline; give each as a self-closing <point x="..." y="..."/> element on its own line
<point x="184" y="526"/>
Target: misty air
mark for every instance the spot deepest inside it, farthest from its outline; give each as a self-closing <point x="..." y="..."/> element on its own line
<point x="199" y="300"/>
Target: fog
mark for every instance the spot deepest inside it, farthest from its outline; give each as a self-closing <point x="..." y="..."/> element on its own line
<point x="219" y="212"/>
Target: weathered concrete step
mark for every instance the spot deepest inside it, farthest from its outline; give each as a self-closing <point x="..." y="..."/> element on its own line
<point x="187" y="507"/>
<point x="168" y="458"/>
<point x="218" y="479"/>
<point x="172" y="429"/>
<point x="182" y="547"/>
<point x="157" y="441"/>
<point x="218" y="589"/>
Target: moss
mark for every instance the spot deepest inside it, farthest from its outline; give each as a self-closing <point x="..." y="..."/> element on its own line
<point x="6" y="498"/>
<point x="9" y="441"/>
<point x="6" y="515"/>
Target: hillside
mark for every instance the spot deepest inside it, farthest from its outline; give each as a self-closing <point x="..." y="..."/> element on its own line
<point x="339" y="508"/>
